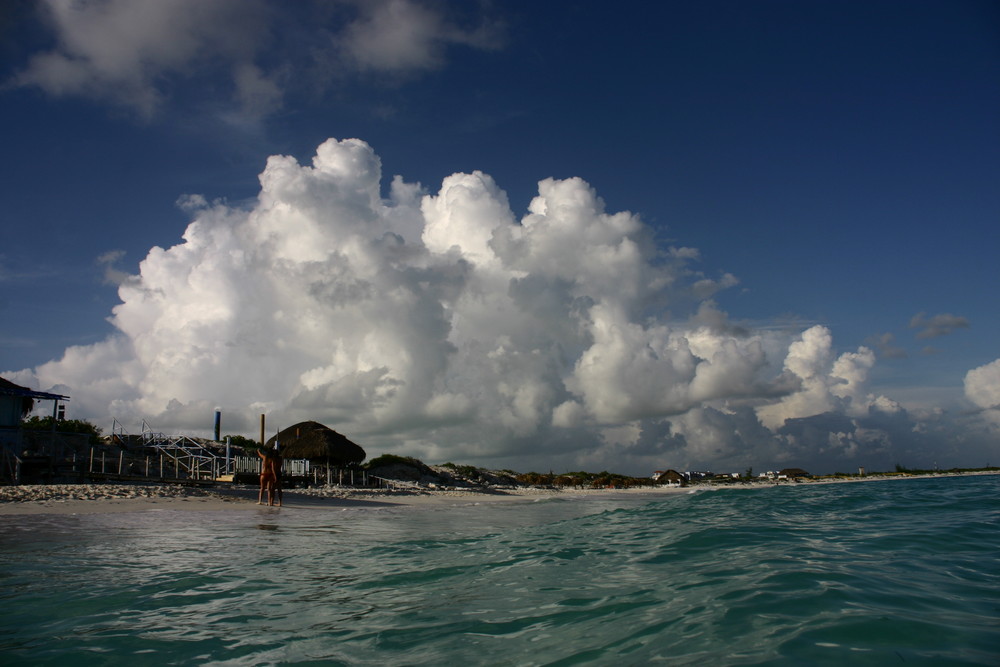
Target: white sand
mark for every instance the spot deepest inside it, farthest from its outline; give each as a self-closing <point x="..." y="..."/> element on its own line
<point x="99" y="498"/>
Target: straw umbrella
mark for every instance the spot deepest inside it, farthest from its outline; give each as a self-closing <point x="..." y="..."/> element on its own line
<point x="318" y="443"/>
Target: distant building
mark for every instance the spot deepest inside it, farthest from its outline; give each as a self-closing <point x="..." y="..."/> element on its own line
<point x="15" y="404"/>
<point x="792" y="473"/>
<point x="669" y="477"/>
<point x="17" y="401"/>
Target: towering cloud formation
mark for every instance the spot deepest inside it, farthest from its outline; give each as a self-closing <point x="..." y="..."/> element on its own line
<point x="982" y="387"/>
<point x="443" y="327"/>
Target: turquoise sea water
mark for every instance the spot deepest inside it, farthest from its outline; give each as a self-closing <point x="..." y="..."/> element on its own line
<point x="892" y="572"/>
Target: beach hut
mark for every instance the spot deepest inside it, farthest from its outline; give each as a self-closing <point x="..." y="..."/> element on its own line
<point x="15" y="403"/>
<point x="318" y="443"/>
<point x="670" y="477"/>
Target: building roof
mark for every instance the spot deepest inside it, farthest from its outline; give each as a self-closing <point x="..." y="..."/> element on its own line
<point x="8" y="388"/>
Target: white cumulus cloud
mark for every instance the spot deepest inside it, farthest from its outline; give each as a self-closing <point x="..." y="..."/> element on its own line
<point x="439" y="325"/>
<point x="826" y="384"/>
<point x="982" y="387"/>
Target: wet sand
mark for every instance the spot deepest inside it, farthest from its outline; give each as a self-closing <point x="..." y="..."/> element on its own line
<point x="99" y="498"/>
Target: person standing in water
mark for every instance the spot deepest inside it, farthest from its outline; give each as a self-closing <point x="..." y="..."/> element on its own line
<point x="276" y="462"/>
<point x="270" y="475"/>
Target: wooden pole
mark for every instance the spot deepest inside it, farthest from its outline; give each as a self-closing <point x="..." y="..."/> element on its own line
<point x="262" y="430"/>
<point x="121" y="461"/>
<point x="91" y="460"/>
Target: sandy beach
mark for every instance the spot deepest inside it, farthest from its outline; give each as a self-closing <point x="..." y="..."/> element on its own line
<point x="100" y="498"/>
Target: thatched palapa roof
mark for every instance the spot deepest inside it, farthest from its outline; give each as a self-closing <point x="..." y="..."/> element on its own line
<point x="318" y="443"/>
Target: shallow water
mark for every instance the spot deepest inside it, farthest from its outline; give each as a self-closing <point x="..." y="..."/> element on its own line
<point x="874" y="573"/>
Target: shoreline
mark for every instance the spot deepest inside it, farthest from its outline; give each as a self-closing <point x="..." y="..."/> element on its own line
<point x="69" y="499"/>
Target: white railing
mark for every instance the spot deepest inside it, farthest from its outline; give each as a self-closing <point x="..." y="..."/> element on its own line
<point x="250" y="465"/>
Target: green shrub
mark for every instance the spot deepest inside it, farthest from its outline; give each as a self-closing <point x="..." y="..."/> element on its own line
<point x="37" y="423"/>
<point x="392" y="459"/>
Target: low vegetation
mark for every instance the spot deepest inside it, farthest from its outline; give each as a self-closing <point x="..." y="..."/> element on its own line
<point x="248" y="445"/>
<point x="583" y="480"/>
<point x="917" y="471"/>
<point x="84" y="427"/>
<point x="391" y="460"/>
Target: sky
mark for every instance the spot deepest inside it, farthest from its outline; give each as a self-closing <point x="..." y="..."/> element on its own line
<point x="557" y="236"/>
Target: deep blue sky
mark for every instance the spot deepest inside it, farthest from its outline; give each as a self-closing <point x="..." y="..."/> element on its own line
<point x="841" y="159"/>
